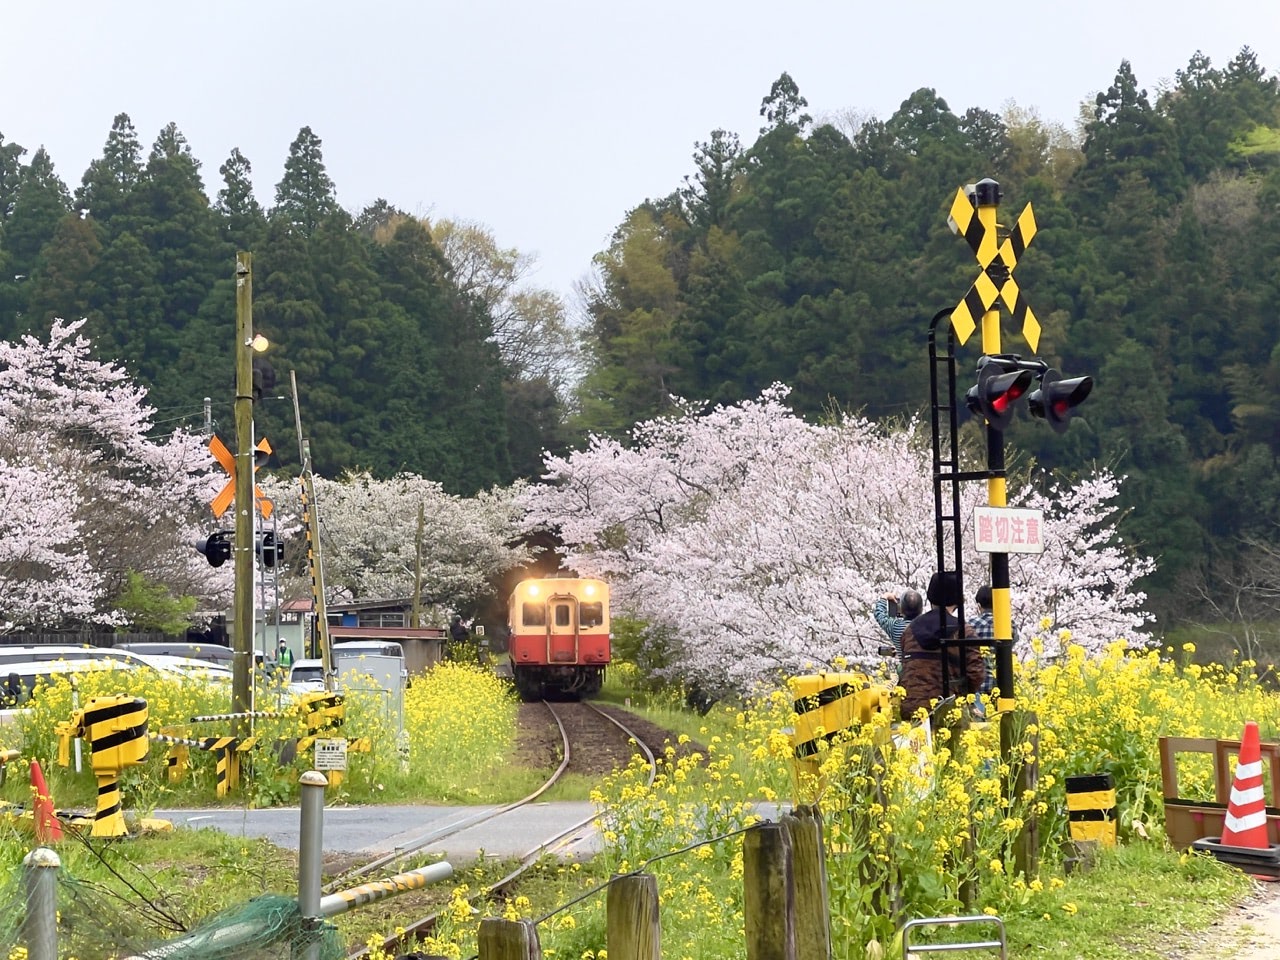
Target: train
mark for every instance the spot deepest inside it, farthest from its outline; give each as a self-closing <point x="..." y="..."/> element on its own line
<point x="560" y="642"/>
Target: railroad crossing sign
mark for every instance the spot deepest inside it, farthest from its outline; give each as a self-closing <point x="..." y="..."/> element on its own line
<point x="227" y="494"/>
<point x="996" y="279"/>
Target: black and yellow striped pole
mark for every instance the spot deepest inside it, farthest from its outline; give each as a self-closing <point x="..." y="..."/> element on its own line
<point x="1091" y="808"/>
<point x="974" y="217"/>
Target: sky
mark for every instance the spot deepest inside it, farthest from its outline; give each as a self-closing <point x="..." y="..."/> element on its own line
<point x="546" y="122"/>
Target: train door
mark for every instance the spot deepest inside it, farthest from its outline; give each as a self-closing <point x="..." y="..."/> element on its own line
<point x="562" y="628"/>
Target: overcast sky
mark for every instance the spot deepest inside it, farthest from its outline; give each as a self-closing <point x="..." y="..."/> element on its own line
<point x="546" y="121"/>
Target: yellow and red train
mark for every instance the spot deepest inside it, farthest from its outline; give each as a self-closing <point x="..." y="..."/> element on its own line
<point x="560" y="636"/>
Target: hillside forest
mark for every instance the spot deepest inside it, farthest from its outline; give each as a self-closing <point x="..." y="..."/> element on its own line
<point x="812" y="254"/>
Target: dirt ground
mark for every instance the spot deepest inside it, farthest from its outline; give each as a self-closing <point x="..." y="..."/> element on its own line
<point x="1249" y="932"/>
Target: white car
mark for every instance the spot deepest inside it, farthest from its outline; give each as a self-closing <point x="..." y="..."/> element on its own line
<point x="306" y="676"/>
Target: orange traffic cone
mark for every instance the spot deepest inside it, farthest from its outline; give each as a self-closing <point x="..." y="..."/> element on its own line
<point x="1246" y="822"/>
<point x="47" y="826"/>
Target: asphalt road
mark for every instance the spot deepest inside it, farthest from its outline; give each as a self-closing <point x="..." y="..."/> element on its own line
<point x="375" y="831"/>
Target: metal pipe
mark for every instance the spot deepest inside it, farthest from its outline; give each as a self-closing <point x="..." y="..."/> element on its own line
<point x="336" y="903"/>
<point x="311" y="854"/>
<point x="40" y="926"/>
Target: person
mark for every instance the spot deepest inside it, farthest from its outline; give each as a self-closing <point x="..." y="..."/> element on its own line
<point x="458" y="632"/>
<point x="910" y="606"/>
<point x="284" y="656"/>
<point x="922" y="656"/>
<point x="984" y="628"/>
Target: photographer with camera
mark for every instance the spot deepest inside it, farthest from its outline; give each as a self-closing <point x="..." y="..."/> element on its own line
<point x="893" y="614"/>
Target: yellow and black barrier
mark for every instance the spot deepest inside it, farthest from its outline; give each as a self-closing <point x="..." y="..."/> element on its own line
<point x="1091" y="808"/>
<point x="321" y="713"/>
<point x="827" y="704"/>
<point x="228" y="750"/>
<point x="116" y="728"/>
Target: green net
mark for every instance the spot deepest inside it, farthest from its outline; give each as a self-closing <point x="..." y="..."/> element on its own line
<point x="97" y="923"/>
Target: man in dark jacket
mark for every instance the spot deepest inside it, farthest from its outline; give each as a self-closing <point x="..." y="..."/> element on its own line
<point x="922" y="650"/>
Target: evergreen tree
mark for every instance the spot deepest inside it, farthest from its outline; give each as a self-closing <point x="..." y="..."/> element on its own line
<point x="40" y="203"/>
<point x="306" y="195"/>
<point x="106" y="186"/>
<point x="243" y="221"/>
<point x="1126" y="138"/>
<point x="11" y="155"/>
<point x="63" y="282"/>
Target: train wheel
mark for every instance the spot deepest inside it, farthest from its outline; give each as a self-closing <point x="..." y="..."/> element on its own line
<point x="528" y="688"/>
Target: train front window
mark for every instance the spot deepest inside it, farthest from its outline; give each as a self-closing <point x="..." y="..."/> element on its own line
<point x="533" y="614"/>
<point x="563" y="616"/>
<point x="591" y="614"/>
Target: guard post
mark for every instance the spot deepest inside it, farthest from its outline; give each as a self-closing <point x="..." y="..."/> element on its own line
<point x="116" y="728"/>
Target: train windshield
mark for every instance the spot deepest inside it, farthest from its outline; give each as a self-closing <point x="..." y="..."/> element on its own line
<point x="591" y="614"/>
<point x="533" y="614"/>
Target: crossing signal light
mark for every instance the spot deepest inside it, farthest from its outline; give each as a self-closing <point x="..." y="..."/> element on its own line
<point x="1000" y="386"/>
<point x="270" y="550"/>
<point x="1056" y="399"/>
<point x="216" y="547"/>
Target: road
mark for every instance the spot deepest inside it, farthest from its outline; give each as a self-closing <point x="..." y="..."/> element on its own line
<point x="375" y="831"/>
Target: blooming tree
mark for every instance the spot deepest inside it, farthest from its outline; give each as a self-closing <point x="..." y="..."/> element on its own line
<point x="87" y="493"/>
<point x="753" y="543"/>
<point x="369" y="536"/>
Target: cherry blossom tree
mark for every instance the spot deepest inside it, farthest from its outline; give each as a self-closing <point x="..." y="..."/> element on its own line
<point x="88" y="493"/>
<point x="369" y="537"/>
<point x="753" y="544"/>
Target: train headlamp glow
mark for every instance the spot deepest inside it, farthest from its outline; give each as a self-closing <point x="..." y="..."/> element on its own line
<point x="533" y="589"/>
<point x="590" y="590"/>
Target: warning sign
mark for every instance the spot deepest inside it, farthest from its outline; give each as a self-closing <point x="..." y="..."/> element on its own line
<point x="1008" y="530"/>
<point x="331" y="755"/>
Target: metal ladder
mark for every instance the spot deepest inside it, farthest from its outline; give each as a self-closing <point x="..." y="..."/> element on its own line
<point x="908" y="949"/>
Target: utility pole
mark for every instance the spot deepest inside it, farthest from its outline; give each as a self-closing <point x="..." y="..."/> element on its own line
<point x="242" y="664"/>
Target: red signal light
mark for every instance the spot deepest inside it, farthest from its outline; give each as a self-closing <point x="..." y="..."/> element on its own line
<point x="1000" y="385"/>
<point x="1055" y="400"/>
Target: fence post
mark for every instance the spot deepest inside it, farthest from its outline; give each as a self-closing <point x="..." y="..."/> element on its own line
<point x="632" y="931"/>
<point x="809" y="864"/>
<point x="311" y="855"/>
<point x="768" y="902"/>
<point x="40" y="925"/>
<point x="1026" y="776"/>
<point x="508" y="940"/>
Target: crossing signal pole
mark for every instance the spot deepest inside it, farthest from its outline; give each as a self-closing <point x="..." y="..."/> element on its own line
<point x="1003" y="379"/>
<point x="1000" y="382"/>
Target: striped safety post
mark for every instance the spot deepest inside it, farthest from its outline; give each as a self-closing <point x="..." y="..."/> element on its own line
<point x="826" y="704"/>
<point x="116" y="728"/>
<point x="1091" y="808"/>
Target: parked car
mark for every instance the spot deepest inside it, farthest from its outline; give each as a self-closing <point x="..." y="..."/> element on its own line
<point x="306" y="676"/>
<point x="18" y="680"/>
<point x="212" y="652"/>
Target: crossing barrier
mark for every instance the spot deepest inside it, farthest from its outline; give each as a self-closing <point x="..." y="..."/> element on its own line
<point x="116" y="728"/>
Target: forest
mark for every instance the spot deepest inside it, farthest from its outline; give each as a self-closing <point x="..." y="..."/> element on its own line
<point x="812" y="254"/>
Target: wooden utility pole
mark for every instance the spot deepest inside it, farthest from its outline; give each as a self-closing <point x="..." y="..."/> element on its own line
<point x="242" y="664"/>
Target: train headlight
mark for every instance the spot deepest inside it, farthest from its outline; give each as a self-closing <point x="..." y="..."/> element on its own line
<point x="533" y="589"/>
<point x="590" y="590"/>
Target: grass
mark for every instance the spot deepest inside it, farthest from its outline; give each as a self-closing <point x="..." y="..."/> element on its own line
<point x="1140" y="900"/>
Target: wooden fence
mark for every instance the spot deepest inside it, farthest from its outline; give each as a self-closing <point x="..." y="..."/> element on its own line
<point x="785" y="906"/>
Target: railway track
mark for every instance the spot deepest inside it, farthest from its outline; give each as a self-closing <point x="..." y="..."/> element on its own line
<point x="568" y="717"/>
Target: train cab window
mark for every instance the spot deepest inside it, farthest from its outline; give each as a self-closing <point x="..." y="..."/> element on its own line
<point x="591" y="614"/>
<point x="563" y="616"/>
<point x="533" y="614"/>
